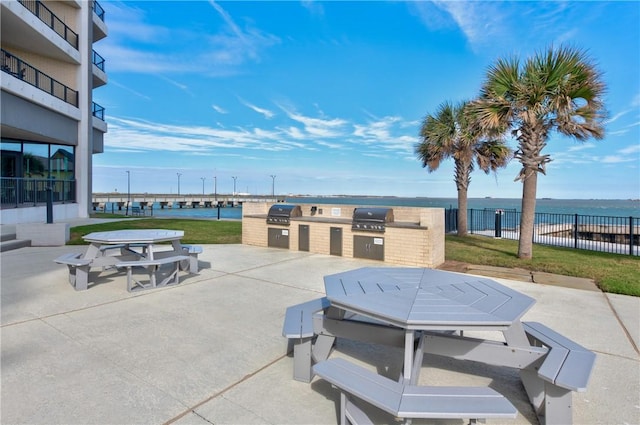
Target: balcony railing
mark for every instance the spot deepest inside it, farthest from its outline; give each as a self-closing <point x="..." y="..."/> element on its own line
<point x="98" y="10"/>
<point x="98" y="111"/>
<point x="51" y="20"/>
<point x="27" y="73"/>
<point x="98" y="60"/>
<point x="20" y="192"/>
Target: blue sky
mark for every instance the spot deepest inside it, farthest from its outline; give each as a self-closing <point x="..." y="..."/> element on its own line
<point x="329" y="96"/>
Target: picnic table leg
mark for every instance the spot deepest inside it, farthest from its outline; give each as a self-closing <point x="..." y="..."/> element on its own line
<point x="515" y="336"/>
<point x="302" y="360"/>
<point x="557" y="405"/>
<point x="92" y="252"/>
<point x="322" y="347"/>
<point x="79" y="277"/>
<point x="408" y="354"/>
<point x="535" y="388"/>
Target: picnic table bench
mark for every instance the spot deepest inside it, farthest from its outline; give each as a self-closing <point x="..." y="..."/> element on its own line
<point x="298" y="327"/>
<point x="152" y="267"/>
<point x="78" y="268"/>
<point x="566" y="368"/>
<point x="409" y="401"/>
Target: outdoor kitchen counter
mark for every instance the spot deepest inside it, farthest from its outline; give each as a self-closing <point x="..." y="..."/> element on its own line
<point x="409" y="236"/>
<point x="337" y="220"/>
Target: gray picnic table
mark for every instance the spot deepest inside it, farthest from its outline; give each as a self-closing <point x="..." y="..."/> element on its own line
<point x="418" y="299"/>
<point x="129" y="249"/>
<point x="428" y="311"/>
<point x="147" y="239"/>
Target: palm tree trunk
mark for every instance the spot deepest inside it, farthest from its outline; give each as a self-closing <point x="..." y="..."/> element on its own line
<point x="529" y="188"/>
<point x="462" y="211"/>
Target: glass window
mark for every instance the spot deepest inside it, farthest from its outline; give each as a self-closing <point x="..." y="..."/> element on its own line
<point x="35" y="160"/>
<point x="11" y="153"/>
<point x="62" y="164"/>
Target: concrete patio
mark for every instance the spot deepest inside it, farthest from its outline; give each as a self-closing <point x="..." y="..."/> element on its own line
<point x="210" y="350"/>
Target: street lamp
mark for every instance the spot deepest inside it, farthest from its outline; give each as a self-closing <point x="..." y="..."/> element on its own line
<point x="215" y="188"/>
<point x="273" y="186"/>
<point x="128" y="192"/>
<point x="203" y="179"/>
<point x="178" y="183"/>
<point x="234" y="185"/>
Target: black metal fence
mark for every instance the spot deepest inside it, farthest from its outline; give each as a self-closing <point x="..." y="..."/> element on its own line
<point x="19" y="192"/>
<point x="618" y="235"/>
<point x="18" y="68"/>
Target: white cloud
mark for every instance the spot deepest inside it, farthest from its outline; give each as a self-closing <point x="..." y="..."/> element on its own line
<point x="216" y="54"/>
<point x="265" y="112"/>
<point x="319" y="127"/>
<point x="630" y="149"/>
<point x="382" y="137"/>
<point x="489" y="25"/>
<point x="616" y="117"/>
<point x="581" y="147"/>
<point x="219" y="109"/>
<point x="615" y="159"/>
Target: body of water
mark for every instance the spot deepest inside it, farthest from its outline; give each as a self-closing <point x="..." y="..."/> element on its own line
<point x="605" y="207"/>
<point x="591" y="207"/>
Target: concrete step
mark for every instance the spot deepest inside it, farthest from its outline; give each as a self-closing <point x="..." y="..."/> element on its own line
<point x="7" y="236"/>
<point x="8" y="245"/>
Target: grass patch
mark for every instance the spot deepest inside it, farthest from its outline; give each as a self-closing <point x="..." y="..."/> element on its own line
<point x="195" y="231"/>
<point x="613" y="273"/>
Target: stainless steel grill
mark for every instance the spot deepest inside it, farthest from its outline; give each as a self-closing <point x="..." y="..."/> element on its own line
<point x="371" y="219"/>
<point x="281" y="214"/>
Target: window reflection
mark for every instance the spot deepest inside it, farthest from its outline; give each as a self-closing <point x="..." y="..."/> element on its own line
<point x="30" y="170"/>
<point x="62" y="162"/>
<point x="35" y="160"/>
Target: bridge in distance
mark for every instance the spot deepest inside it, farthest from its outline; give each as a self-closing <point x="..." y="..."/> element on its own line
<point x="147" y="200"/>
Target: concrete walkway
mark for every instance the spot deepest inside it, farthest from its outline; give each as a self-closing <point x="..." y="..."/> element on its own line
<point x="210" y="350"/>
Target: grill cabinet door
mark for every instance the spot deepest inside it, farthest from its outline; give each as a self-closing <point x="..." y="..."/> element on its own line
<point x="303" y="237"/>
<point x="335" y="241"/>
<point x="371" y="247"/>
<point x="278" y="238"/>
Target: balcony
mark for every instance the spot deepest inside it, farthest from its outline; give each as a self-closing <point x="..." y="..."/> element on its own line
<point x="98" y="60"/>
<point x="98" y="10"/>
<point x="99" y="75"/>
<point x="51" y="20"/>
<point x="99" y="26"/>
<point x="17" y="68"/>
<point x="98" y="111"/>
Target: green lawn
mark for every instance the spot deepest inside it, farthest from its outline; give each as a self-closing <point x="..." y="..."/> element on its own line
<point x="195" y="231"/>
<point x="612" y="272"/>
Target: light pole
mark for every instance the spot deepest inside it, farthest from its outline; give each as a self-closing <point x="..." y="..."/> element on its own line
<point x="203" y="179"/>
<point x="178" y="174"/>
<point x="234" y="188"/>
<point x="273" y="186"/>
<point x="128" y="192"/>
<point x="215" y="188"/>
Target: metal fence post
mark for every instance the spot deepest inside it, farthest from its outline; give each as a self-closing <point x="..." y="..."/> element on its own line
<point x="498" y="224"/>
<point x="49" y="204"/>
<point x="575" y="232"/>
<point x="631" y="235"/>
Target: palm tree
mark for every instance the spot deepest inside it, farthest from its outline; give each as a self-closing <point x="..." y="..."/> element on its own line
<point x="448" y="134"/>
<point x="559" y="90"/>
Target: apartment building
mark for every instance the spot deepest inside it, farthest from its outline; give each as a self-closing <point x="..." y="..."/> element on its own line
<point x="50" y="126"/>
